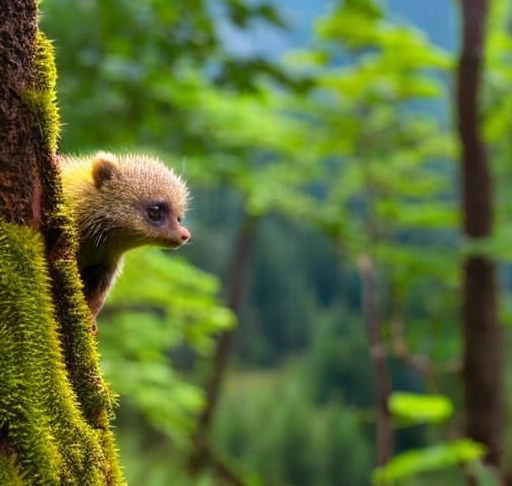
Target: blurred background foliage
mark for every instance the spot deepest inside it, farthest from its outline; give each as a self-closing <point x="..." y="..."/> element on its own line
<point x="320" y="132"/>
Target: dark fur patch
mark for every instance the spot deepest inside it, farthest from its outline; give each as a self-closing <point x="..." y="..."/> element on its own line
<point x="103" y="170"/>
<point x="97" y="280"/>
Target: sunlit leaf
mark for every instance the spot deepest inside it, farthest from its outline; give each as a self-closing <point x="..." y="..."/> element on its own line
<point x="432" y="458"/>
<point x="420" y="408"/>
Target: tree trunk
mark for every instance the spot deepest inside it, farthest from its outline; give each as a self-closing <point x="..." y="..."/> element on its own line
<point x="54" y="405"/>
<point x="204" y="455"/>
<point x="236" y="284"/>
<point x="483" y="357"/>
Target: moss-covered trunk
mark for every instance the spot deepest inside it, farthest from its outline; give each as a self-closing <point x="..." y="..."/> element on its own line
<point x="54" y="405"/>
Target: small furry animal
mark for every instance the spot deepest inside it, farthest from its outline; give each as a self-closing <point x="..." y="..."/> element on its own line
<point x="120" y="202"/>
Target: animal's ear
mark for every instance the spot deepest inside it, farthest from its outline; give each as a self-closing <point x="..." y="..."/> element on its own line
<point x="104" y="167"/>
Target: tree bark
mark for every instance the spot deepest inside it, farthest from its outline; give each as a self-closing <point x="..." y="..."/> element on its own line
<point x="54" y="405"/>
<point x="482" y="338"/>
<point x="20" y="184"/>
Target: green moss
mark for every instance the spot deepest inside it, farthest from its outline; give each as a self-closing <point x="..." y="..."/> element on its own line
<point x="41" y="419"/>
<point x="80" y="348"/>
<point x="9" y="472"/>
<point x="42" y="97"/>
<point x="55" y="407"/>
<point x="45" y="96"/>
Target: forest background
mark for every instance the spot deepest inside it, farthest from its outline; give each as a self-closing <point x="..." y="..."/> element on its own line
<point x="320" y="143"/>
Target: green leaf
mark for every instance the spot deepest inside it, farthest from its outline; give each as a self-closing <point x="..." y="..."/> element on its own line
<point x="432" y="458"/>
<point x="159" y="303"/>
<point x="420" y="408"/>
<point x="354" y="23"/>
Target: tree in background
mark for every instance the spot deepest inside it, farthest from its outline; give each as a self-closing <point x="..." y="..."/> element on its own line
<point x="482" y="336"/>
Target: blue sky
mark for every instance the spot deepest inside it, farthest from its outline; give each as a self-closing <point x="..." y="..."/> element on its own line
<point x="435" y="17"/>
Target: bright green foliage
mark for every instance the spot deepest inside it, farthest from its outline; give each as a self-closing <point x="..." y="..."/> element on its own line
<point x="159" y="304"/>
<point x="388" y="180"/>
<point x="432" y="458"/>
<point x="269" y="162"/>
<point x="40" y="417"/>
<point x="409" y="409"/>
<point x="389" y="191"/>
<point x="353" y="22"/>
<point x="395" y="64"/>
<point x="498" y="74"/>
<point x="413" y="408"/>
<point x="118" y="59"/>
<point x="496" y="125"/>
<point x="136" y="61"/>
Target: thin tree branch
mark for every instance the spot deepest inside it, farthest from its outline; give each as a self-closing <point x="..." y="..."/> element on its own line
<point x="235" y="288"/>
<point x="384" y="439"/>
<point x="236" y="283"/>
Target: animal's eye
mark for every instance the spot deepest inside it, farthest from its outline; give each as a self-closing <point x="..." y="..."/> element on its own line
<point x="156" y="212"/>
